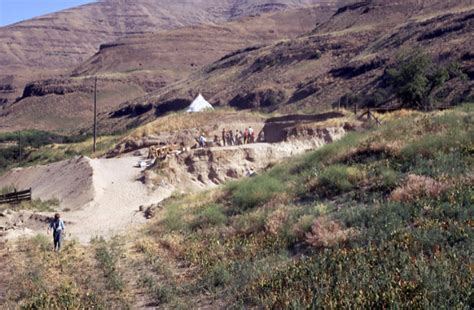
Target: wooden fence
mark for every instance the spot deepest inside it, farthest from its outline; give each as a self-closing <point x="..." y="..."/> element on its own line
<point x="16" y="197"/>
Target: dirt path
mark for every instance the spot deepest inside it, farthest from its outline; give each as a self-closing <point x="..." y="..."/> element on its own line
<point x="103" y="196"/>
<point x="118" y="196"/>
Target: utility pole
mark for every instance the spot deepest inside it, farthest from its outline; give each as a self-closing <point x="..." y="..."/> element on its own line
<point x="95" y="114"/>
<point x="19" y="146"/>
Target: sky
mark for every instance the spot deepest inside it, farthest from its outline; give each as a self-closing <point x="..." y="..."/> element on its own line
<point x="12" y="11"/>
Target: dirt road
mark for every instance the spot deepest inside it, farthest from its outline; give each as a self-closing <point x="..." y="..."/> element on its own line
<point x="118" y="196"/>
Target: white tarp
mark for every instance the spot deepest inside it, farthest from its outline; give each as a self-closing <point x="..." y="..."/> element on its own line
<point x="199" y="104"/>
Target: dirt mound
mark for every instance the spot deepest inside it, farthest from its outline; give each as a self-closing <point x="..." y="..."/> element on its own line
<point x="208" y="167"/>
<point x="184" y="129"/>
<point x="68" y="181"/>
<point x="102" y="196"/>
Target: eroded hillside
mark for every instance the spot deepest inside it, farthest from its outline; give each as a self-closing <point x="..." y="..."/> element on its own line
<point x="138" y="64"/>
<point x="341" y="61"/>
<point x="52" y="45"/>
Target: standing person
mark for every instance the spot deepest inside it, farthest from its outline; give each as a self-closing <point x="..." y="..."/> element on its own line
<point x="246" y="136"/>
<point x="241" y="137"/>
<point x="223" y="136"/>
<point x="251" y="135"/>
<point x="231" y="137"/>
<point x="202" y="140"/>
<point x="57" y="225"/>
<point x="227" y="136"/>
<point x="216" y="141"/>
<point x="238" y="137"/>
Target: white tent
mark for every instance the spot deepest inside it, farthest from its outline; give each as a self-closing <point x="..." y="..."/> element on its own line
<point x="199" y="104"/>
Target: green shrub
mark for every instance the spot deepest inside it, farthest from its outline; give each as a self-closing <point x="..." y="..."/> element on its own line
<point x="388" y="179"/>
<point x="65" y="297"/>
<point x="450" y="164"/>
<point x="218" y="276"/>
<point x="173" y="219"/>
<point x="250" y="221"/>
<point x="107" y="256"/>
<point x="211" y="215"/>
<point x="42" y="242"/>
<point x="328" y="153"/>
<point x="255" y="192"/>
<point x="337" y="179"/>
<point x="430" y="145"/>
<point x="160" y="293"/>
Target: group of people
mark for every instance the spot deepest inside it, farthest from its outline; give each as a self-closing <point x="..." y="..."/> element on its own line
<point x="232" y="137"/>
<point x="237" y="137"/>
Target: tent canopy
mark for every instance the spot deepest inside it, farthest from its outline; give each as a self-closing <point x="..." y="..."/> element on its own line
<point x="199" y="104"/>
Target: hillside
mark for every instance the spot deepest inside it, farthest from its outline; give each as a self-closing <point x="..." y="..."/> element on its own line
<point x="54" y="44"/>
<point x="136" y="65"/>
<point x="341" y="61"/>
<point x="335" y="171"/>
<point x="380" y="219"/>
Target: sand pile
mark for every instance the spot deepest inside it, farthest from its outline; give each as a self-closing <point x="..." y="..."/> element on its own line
<point x="68" y="181"/>
<point x="101" y="196"/>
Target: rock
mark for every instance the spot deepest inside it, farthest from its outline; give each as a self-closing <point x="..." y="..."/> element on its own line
<point x="149" y="213"/>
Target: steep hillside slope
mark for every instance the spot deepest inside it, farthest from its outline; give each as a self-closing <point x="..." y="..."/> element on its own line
<point x="381" y="219"/>
<point x="56" y="42"/>
<point x="178" y="52"/>
<point x="339" y="59"/>
<point x="139" y="64"/>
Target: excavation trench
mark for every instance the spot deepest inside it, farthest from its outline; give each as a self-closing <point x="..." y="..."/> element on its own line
<point x="102" y="197"/>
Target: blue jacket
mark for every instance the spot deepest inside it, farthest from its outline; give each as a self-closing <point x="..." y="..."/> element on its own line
<point x="57" y="225"/>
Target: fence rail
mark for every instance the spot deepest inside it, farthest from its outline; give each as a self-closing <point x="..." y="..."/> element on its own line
<point x="15" y="196"/>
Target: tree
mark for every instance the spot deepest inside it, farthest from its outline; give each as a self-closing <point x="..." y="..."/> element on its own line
<point x="414" y="78"/>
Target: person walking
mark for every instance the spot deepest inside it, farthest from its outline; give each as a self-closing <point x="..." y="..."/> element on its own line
<point x="57" y="226"/>
<point x="246" y="136"/>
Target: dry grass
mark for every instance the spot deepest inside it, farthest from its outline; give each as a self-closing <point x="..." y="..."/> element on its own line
<point x="173" y="244"/>
<point x="416" y="187"/>
<point x="275" y="221"/>
<point x="182" y="121"/>
<point x="327" y="233"/>
<point x="303" y="226"/>
<point x="395" y="115"/>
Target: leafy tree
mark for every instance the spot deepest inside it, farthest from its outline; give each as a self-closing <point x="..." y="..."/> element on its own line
<point x="414" y="78"/>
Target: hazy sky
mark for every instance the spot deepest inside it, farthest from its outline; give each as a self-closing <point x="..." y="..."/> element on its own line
<point x="12" y="11"/>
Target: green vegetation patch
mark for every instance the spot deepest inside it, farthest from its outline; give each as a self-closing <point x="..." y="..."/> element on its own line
<point x="379" y="219"/>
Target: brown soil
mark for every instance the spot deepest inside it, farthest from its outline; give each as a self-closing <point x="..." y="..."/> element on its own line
<point x="146" y="57"/>
<point x="338" y="58"/>
<point x="103" y="197"/>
